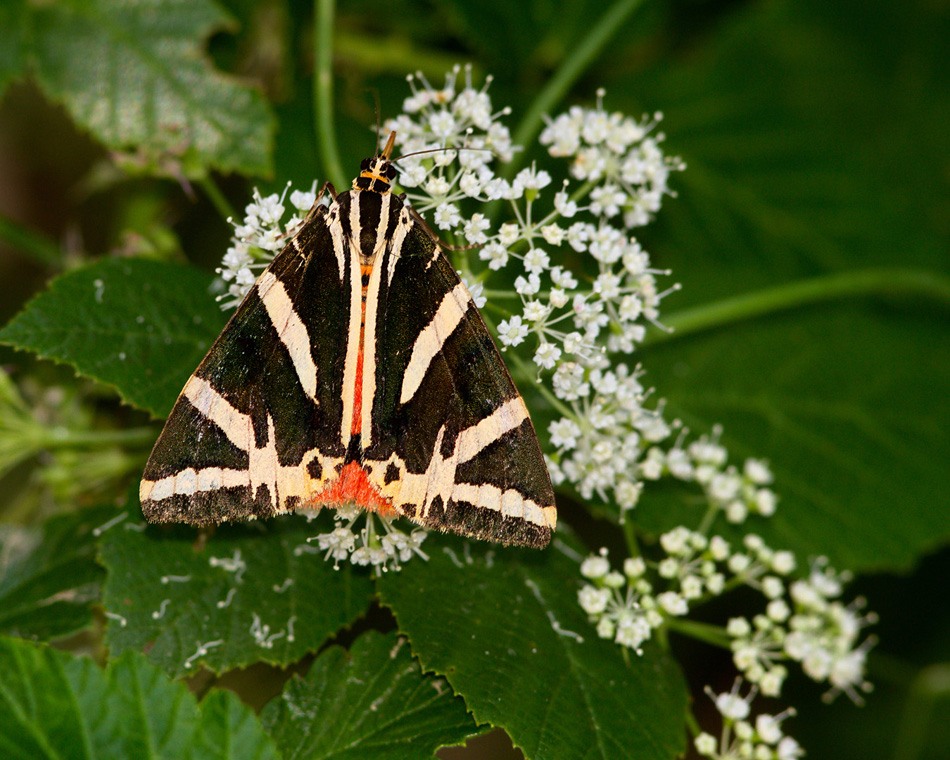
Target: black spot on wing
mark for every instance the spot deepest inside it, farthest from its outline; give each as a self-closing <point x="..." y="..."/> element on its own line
<point x="392" y="474"/>
<point x="315" y="469"/>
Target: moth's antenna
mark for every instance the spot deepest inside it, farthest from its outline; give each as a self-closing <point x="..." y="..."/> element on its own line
<point x="388" y="150"/>
<point x="376" y="105"/>
<point x="435" y="150"/>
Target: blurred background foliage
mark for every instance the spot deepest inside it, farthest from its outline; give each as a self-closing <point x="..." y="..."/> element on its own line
<point x="811" y="234"/>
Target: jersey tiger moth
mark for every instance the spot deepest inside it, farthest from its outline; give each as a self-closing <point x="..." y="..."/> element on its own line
<point x="356" y="370"/>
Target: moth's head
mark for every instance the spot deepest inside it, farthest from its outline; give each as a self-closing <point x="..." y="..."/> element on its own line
<point x="378" y="172"/>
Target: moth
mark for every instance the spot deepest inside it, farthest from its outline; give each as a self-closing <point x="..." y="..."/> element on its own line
<point x="356" y="370"/>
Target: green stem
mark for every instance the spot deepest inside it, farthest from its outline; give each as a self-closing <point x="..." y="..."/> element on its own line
<point x="916" y="726"/>
<point x="570" y="70"/>
<point x="58" y="438"/>
<point x="711" y="634"/>
<point x="876" y="282"/>
<point x="324" y="11"/>
<point x="220" y="203"/>
<point x="630" y="537"/>
<point x="33" y="245"/>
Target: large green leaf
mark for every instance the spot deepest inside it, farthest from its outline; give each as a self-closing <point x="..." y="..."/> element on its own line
<point x="370" y="702"/>
<point x="49" y="576"/>
<point x="134" y="73"/>
<point x="816" y="151"/>
<point x="13" y="21"/>
<point x="253" y="592"/>
<point x="139" y="326"/>
<point x="505" y="629"/>
<point x="849" y="419"/>
<point x="54" y="705"/>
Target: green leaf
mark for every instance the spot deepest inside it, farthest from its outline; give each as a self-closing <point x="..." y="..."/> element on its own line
<point x="371" y="702"/>
<point x="135" y="74"/>
<point x="139" y="326"/>
<point x="816" y="150"/>
<point x="49" y="576"/>
<point x="848" y="421"/>
<point x="14" y="22"/>
<point x="54" y="705"/>
<point x="254" y="592"/>
<point x="505" y="629"/>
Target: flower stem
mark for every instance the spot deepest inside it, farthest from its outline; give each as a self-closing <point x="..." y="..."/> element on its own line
<point x="323" y="13"/>
<point x="220" y="203"/>
<point x="918" y="721"/>
<point x="570" y="70"/>
<point x="711" y="634"/>
<point x="871" y="282"/>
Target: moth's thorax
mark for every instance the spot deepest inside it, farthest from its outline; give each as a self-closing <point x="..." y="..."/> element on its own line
<point x="368" y="219"/>
<point x="376" y="175"/>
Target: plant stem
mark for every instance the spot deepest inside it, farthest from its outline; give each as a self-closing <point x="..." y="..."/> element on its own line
<point x="572" y="67"/>
<point x="877" y="282"/>
<point x="220" y="203"/>
<point x="711" y="634"/>
<point x="60" y="438"/>
<point x="524" y="369"/>
<point x="928" y="690"/>
<point x="323" y="13"/>
<point x="31" y="244"/>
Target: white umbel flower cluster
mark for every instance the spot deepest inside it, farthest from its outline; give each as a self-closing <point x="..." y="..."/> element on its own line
<point x="383" y="549"/>
<point x="803" y="621"/>
<point x="258" y="238"/>
<point x="743" y="736"/>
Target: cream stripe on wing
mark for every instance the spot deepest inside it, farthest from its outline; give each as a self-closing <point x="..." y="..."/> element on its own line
<point x="433" y="336"/>
<point x="290" y="329"/>
<point x="352" y="341"/>
<point x="403" y="226"/>
<point x="190" y="481"/>
<point x="235" y="425"/>
<point x="486" y="431"/>
<point x="336" y="236"/>
<point x="368" y="391"/>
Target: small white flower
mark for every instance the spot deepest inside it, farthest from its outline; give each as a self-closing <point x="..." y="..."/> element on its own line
<point x="470" y="185"/>
<point x="593" y="600"/>
<point x="564" y="433"/>
<point x="474" y="229"/>
<point x="552" y="234"/>
<point x="535" y="311"/>
<point x="673" y="603"/>
<point x="634" y="567"/>
<point x="783" y="562"/>
<point x="495" y="254"/>
<point x="705" y="744"/>
<point x="437" y="186"/>
<point x="758" y="472"/>
<point x="512" y="331"/>
<point x="529" y="286"/>
<point x="547" y="355"/>
<point x="447" y="216"/>
<point x="302" y="201"/>
<point x="475" y="291"/>
<point x="536" y="260"/>
<point x="563" y="278"/>
<point x="564" y="205"/>
<point x="530" y="180"/>
<point x="596" y="566"/>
